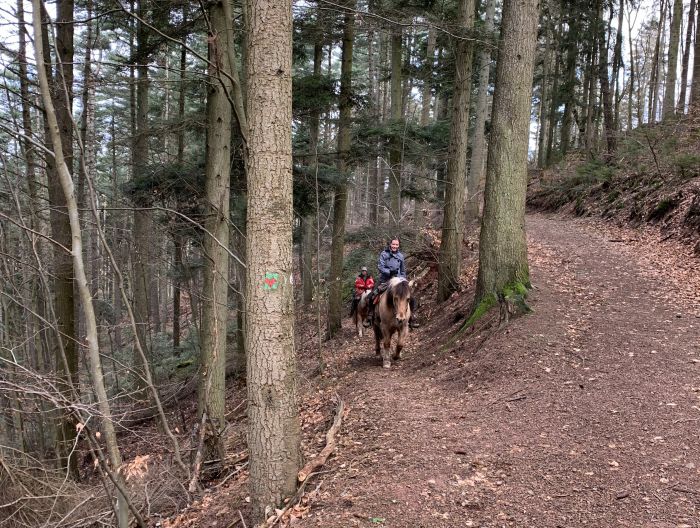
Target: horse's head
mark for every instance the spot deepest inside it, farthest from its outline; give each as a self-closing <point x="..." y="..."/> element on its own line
<point x="398" y="296"/>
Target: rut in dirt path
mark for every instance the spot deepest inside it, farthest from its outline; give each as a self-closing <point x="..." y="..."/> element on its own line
<point x="584" y="413"/>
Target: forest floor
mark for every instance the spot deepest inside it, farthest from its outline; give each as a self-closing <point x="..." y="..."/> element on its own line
<point x="584" y="413"/>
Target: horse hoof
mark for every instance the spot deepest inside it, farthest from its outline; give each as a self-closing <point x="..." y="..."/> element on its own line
<point x="387" y="365"/>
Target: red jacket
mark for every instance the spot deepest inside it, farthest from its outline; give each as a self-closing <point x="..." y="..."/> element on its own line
<point x="363" y="284"/>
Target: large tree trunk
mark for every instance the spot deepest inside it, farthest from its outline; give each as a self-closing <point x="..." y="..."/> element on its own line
<point x="274" y="430"/>
<point x="375" y="104"/>
<point x="680" y="107"/>
<point x="308" y="238"/>
<point x="426" y="97"/>
<point x="396" y="118"/>
<point x="476" y="167"/>
<point x="141" y="256"/>
<point x="453" y="219"/>
<point x="503" y="266"/>
<point x="212" y="382"/>
<point x="669" y="109"/>
<point x="340" y="200"/>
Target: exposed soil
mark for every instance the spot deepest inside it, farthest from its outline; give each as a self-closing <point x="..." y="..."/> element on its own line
<point x="584" y="413"/>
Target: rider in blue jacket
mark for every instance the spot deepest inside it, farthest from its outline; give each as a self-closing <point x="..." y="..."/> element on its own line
<point x="391" y="264"/>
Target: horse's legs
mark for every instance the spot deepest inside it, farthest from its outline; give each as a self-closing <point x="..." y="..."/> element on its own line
<point x="399" y="342"/>
<point x="386" y="351"/>
<point x="358" y="322"/>
<point x="377" y="338"/>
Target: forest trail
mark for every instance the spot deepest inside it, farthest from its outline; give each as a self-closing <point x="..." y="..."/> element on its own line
<point x="584" y="413"/>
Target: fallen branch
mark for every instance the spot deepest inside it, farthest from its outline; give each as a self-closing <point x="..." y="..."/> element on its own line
<point x="321" y="458"/>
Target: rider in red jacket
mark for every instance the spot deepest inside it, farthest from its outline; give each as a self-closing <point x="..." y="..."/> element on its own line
<point x="364" y="282"/>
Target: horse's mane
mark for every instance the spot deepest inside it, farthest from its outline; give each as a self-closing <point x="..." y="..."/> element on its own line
<point x="398" y="288"/>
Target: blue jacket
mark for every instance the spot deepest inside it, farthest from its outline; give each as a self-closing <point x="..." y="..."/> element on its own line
<point x="389" y="262"/>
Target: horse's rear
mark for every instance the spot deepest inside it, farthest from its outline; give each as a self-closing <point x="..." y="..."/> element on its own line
<point x="391" y="317"/>
<point x="361" y="312"/>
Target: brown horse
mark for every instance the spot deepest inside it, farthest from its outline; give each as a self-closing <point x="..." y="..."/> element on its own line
<point x="360" y="313"/>
<point x="391" y="317"/>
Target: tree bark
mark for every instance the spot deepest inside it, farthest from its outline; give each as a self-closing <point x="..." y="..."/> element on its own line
<point x="605" y="92"/>
<point x="375" y="104"/>
<point x="569" y="87"/>
<point x="64" y="301"/>
<point x="686" y="58"/>
<point x="396" y="119"/>
<point x="274" y="430"/>
<point x="669" y="109"/>
<point x="617" y="63"/>
<point x="141" y="256"/>
<point x="340" y="200"/>
<point x="554" y="99"/>
<point x="503" y="249"/>
<point x="453" y="220"/>
<point x="654" y="81"/>
<point x="476" y="167"/>
<point x="544" y="95"/>
<point x="308" y="238"/>
<point x="212" y="382"/>
<point x="66" y="184"/>
<point x="695" y="88"/>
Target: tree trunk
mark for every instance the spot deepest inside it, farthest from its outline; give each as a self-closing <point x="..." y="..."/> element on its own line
<point x="544" y="95"/>
<point x="453" y="219"/>
<point x="308" y="238"/>
<point x="617" y="63"/>
<point x="605" y="92"/>
<point x="396" y="119"/>
<point x="177" y="289"/>
<point x="340" y="201"/>
<point x="554" y="99"/>
<point x="476" y="167"/>
<point x="680" y="108"/>
<point x="503" y="266"/>
<point x="654" y="81"/>
<point x="212" y="381"/>
<point x="569" y="86"/>
<point x="141" y="256"/>
<point x="669" y="109"/>
<point x="632" y="78"/>
<point x="274" y="430"/>
<point x="71" y="208"/>
<point x="426" y="97"/>
<point x="65" y="344"/>
<point x="695" y="87"/>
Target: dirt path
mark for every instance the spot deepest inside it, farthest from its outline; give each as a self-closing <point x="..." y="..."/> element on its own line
<point x="585" y="413"/>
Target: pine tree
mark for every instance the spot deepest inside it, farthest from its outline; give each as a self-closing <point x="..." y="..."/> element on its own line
<point x="503" y="267"/>
<point x="274" y="431"/>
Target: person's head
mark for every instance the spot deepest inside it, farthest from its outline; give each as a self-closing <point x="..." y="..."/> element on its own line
<point x="363" y="271"/>
<point x="394" y="244"/>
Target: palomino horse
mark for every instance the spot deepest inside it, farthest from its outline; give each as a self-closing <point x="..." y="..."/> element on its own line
<point x="391" y="317"/>
<point x="360" y="313"/>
